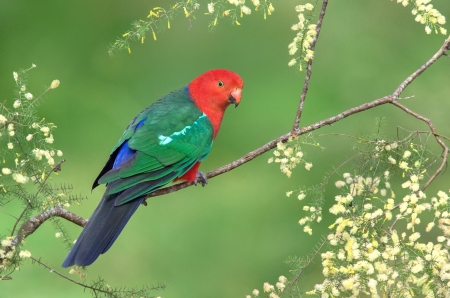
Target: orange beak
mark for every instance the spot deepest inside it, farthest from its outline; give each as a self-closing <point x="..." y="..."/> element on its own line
<point x="235" y="97"/>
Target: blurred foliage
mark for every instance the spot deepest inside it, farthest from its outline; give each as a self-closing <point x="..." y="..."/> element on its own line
<point x="231" y="236"/>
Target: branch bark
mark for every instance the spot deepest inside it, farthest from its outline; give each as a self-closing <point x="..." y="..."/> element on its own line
<point x="32" y="224"/>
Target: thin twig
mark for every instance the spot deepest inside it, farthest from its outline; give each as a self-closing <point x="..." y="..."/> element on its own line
<point x="58" y="273"/>
<point x="294" y="281"/>
<point x="19" y="218"/>
<point x="397" y="217"/>
<point x="70" y="279"/>
<point x="412" y="77"/>
<point x="336" y="169"/>
<point x="436" y="136"/>
<point x="309" y="69"/>
<point x="423" y="132"/>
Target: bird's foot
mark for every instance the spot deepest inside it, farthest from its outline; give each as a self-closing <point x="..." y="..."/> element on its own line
<point x="201" y="178"/>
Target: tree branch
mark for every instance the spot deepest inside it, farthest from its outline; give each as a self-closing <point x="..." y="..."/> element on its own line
<point x="445" y="47"/>
<point x="32" y="224"/>
<point x="309" y="68"/>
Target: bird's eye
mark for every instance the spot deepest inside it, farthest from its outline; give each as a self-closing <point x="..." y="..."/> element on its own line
<point x="220" y="84"/>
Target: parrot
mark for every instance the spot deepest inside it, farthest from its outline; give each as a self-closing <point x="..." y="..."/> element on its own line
<point x="162" y="145"/>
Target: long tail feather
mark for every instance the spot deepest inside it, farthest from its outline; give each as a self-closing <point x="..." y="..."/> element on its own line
<point x="101" y="231"/>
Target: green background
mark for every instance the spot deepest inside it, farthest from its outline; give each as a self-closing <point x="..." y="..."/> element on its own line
<point x="230" y="237"/>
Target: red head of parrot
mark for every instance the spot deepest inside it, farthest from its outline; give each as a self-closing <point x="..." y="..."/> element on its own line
<point x="214" y="91"/>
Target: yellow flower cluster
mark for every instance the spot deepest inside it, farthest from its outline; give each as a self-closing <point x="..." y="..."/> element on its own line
<point x="274" y="291"/>
<point x="368" y="254"/>
<point x="288" y="156"/>
<point x="374" y="243"/>
<point x="79" y="271"/>
<point x="19" y="139"/>
<point x="314" y="214"/>
<point x="219" y="9"/>
<point x="303" y="38"/>
<point x="427" y="15"/>
<point x="8" y="252"/>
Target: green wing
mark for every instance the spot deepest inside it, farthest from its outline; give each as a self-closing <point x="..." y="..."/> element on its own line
<point x="160" y="144"/>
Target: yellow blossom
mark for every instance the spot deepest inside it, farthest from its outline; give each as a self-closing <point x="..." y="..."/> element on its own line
<point x="54" y="84"/>
<point x="309" y="6"/>
<point x="2" y="119"/>
<point x="24" y="254"/>
<point x="6" y="171"/>
<point x="268" y="287"/>
<point x="307" y="229"/>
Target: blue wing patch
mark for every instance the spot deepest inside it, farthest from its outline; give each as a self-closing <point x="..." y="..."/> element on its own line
<point x="125" y="152"/>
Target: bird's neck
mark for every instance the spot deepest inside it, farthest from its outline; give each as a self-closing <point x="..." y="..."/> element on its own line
<point x="208" y="105"/>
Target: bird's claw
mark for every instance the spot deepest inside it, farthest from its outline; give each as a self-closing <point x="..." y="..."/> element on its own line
<point x="201" y="178"/>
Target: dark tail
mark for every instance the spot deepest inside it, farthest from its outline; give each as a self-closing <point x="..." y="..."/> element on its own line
<point x="101" y="231"/>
